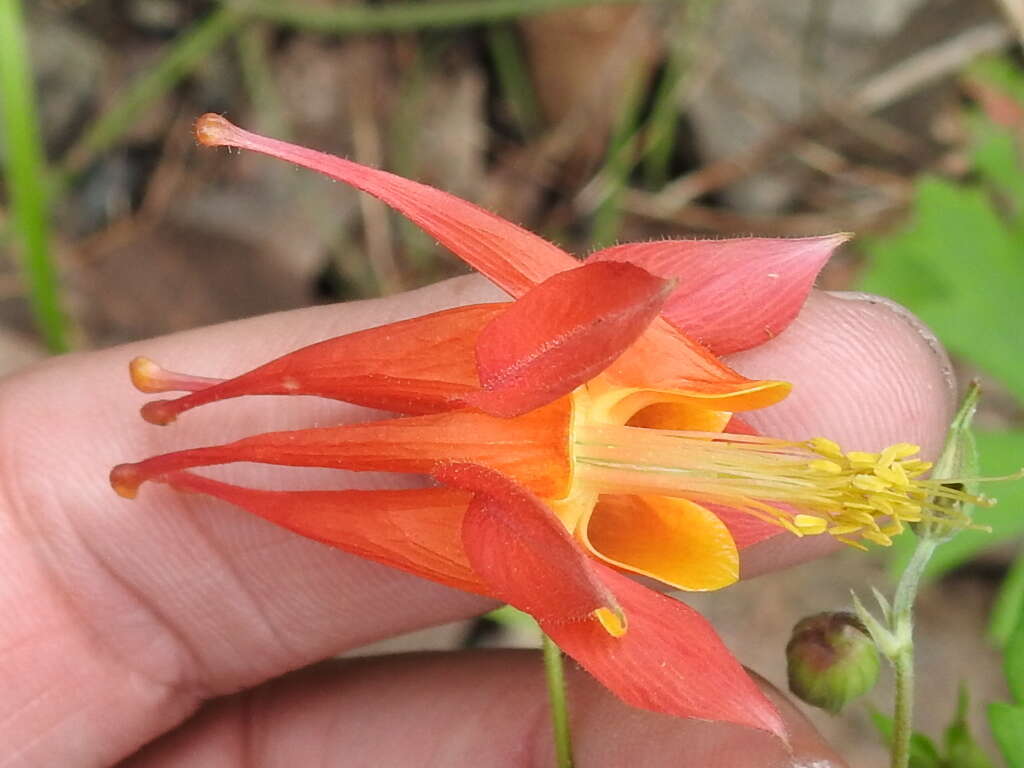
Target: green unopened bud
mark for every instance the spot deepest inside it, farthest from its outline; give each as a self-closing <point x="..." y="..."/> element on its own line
<point x="831" y="660"/>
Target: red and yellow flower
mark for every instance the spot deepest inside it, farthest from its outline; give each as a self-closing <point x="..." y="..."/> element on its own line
<point x="582" y="431"/>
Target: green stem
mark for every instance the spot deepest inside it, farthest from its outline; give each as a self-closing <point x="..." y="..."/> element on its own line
<point x="903" y="656"/>
<point x="26" y="171"/>
<point x="187" y="52"/>
<point x="395" y="17"/>
<point x="555" y="674"/>
<point x="903" y="709"/>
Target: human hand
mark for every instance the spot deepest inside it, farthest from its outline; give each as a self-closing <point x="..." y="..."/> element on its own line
<point x="121" y="619"/>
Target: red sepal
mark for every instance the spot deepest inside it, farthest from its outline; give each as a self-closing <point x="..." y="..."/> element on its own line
<point x="732" y="294"/>
<point x="413" y="366"/>
<point x="670" y="660"/>
<point x="533" y="448"/>
<point x="561" y="334"/>
<point x="414" y="530"/>
<point x="510" y="256"/>
<point x="521" y="550"/>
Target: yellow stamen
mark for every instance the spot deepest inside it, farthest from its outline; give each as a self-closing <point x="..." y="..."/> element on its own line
<point x="808" y="487"/>
<point x="810" y="524"/>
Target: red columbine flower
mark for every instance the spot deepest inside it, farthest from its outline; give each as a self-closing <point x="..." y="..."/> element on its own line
<point x="576" y="434"/>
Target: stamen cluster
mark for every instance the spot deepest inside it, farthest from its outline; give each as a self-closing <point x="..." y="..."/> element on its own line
<point x="809" y="487"/>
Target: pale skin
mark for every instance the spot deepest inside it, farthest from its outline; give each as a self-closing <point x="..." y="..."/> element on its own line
<point x="120" y="619"/>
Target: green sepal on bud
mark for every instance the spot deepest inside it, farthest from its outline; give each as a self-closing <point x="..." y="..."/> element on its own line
<point x="831" y="660"/>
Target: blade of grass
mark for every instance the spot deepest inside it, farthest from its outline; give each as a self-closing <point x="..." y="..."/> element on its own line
<point x="26" y="172"/>
<point x="686" y="30"/>
<point x="258" y="77"/>
<point x="185" y="54"/>
<point x="403" y="16"/>
<point x="513" y="77"/>
<point x="619" y="163"/>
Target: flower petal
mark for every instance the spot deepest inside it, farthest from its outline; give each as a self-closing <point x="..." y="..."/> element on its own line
<point x="413" y="366"/>
<point x="745" y="529"/>
<point x="522" y="552"/>
<point x="532" y="448"/>
<point x="561" y="334"/>
<point x="664" y="358"/>
<point x="732" y="294"/>
<point x="671" y="660"/>
<point x="414" y="530"/>
<point x="676" y="541"/>
<point x="510" y="256"/>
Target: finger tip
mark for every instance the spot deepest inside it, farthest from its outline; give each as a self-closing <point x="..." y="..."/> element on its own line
<point x="865" y="372"/>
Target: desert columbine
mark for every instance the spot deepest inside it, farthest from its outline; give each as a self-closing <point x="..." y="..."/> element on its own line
<point x="582" y="431"/>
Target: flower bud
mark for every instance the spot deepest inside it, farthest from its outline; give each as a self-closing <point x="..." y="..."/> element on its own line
<point x="831" y="660"/>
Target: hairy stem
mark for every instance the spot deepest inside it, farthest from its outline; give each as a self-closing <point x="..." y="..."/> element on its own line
<point x="555" y="674"/>
<point x="903" y="657"/>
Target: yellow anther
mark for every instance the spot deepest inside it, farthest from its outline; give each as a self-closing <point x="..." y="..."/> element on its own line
<point x="825" y="447"/>
<point x="916" y="467"/>
<point x="878" y="537"/>
<point x="893" y="474"/>
<point x="614" y="623"/>
<point x="893" y="528"/>
<point x="864" y="518"/>
<point x="882" y="504"/>
<point x="862" y="460"/>
<point x="844" y="528"/>
<point x="824" y="465"/>
<point x="869" y="483"/>
<point x="899" y="451"/>
<point x="810" y="524"/>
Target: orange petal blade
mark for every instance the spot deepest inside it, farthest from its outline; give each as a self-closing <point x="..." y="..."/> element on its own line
<point x="676" y="541"/>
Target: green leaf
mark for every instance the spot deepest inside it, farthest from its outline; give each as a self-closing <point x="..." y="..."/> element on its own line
<point x="1007" y="724"/>
<point x="959" y="266"/>
<point x="1009" y="605"/>
<point x="923" y="752"/>
<point x="996" y="157"/>
<point x="1013" y="663"/>
<point x="962" y="751"/>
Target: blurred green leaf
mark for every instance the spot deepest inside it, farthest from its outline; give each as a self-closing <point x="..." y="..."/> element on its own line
<point x="1007" y="724"/>
<point x="960" y="267"/>
<point x="923" y="752"/>
<point x="962" y="751"/>
<point x="1013" y="663"/>
<point x="1009" y="605"/>
<point x="997" y="159"/>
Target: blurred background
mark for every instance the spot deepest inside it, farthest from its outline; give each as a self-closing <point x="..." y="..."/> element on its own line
<point x="586" y="120"/>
